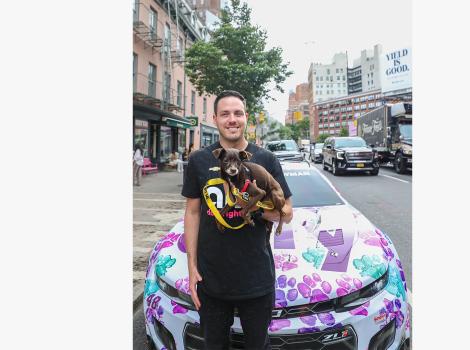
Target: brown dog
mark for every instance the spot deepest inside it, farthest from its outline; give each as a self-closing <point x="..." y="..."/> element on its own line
<point x="235" y="171"/>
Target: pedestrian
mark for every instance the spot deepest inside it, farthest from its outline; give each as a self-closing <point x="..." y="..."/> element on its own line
<point x="233" y="268"/>
<point x="185" y="155"/>
<point x="138" y="163"/>
<point x="191" y="149"/>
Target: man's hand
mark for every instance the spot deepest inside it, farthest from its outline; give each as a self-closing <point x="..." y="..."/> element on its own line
<point x="194" y="278"/>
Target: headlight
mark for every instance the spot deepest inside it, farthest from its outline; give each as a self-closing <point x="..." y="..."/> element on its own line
<point x="361" y="296"/>
<point x="340" y="154"/>
<point x="176" y="295"/>
<point x="407" y="151"/>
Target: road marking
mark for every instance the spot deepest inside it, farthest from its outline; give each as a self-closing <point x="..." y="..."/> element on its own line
<point x="391" y="177"/>
<point x="160" y="200"/>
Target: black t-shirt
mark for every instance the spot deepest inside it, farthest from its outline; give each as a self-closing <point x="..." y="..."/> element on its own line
<point x="234" y="264"/>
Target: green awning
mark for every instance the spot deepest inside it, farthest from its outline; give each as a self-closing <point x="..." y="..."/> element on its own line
<point x="177" y="123"/>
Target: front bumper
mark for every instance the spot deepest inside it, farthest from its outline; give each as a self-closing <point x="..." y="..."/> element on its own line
<point x="357" y="165"/>
<point x="382" y="319"/>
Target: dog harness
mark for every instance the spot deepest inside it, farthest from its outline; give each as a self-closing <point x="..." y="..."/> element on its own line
<point x="242" y="195"/>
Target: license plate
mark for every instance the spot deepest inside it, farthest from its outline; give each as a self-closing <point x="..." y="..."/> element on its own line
<point x="360" y="165"/>
<point x="410" y="160"/>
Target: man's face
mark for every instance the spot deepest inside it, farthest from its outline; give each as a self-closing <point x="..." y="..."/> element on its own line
<point x="231" y="118"/>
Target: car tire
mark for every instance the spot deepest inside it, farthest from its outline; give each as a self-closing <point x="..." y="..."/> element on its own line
<point x="374" y="172"/>
<point x="334" y="169"/>
<point x="324" y="165"/>
<point x="399" y="164"/>
<point x="149" y="344"/>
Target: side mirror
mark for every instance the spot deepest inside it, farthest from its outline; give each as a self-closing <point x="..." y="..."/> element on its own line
<point x="372" y="146"/>
<point x="328" y="147"/>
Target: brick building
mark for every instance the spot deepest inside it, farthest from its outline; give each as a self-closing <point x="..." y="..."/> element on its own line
<point x="168" y="112"/>
<point x="332" y="115"/>
<point x="298" y="102"/>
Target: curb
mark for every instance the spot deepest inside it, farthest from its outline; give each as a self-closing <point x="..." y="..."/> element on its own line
<point x="138" y="301"/>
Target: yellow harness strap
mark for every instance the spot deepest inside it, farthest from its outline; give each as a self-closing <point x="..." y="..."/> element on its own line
<point x="268" y="205"/>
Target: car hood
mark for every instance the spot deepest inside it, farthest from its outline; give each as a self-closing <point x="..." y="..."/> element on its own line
<point x="324" y="253"/>
<point x="355" y="149"/>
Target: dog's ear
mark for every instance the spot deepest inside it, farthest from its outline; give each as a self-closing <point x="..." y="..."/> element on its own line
<point x="244" y="155"/>
<point x="218" y="153"/>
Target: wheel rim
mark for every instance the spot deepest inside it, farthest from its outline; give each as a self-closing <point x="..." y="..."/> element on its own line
<point x="397" y="163"/>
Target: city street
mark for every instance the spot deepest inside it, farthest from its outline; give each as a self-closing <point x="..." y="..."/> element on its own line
<point x="385" y="200"/>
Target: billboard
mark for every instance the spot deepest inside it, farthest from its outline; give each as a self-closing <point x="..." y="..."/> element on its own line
<point x="395" y="70"/>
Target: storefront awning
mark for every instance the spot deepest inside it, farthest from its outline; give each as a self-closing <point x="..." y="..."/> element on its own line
<point x="177" y="123"/>
<point x="163" y="117"/>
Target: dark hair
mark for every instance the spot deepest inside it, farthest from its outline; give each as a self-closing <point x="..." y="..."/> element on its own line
<point x="227" y="93"/>
<point x="138" y="146"/>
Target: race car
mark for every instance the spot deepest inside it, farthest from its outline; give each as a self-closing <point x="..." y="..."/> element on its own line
<point x="339" y="280"/>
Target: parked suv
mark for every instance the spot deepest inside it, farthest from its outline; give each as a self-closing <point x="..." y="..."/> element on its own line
<point x="285" y="150"/>
<point x="342" y="154"/>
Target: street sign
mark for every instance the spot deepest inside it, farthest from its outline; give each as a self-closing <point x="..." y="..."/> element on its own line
<point x="193" y="120"/>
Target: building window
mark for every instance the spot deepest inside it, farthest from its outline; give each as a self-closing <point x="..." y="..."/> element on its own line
<point x="179" y="90"/>
<point x="152" y="80"/>
<point x="321" y="78"/>
<point x="338" y="77"/>
<point x="193" y="102"/>
<point x="204" y="106"/>
<point x="167" y="87"/>
<point x="328" y="72"/>
<point x="167" y="37"/>
<point x="153" y="23"/>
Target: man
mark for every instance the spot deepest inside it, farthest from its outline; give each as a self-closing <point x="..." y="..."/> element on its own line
<point x="233" y="268"/>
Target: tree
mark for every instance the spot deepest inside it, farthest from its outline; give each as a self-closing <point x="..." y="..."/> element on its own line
<point x="321" y="138"/>
<point x="344" y="132"/>
<point x="236" y="58"/>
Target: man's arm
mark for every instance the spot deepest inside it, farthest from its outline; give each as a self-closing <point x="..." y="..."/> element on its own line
<point x="192" y="217"/>
<point x="273" y="215"/>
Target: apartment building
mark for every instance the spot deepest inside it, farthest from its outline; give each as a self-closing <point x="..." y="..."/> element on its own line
<point x="329" y="81"/>
<point x="329" y="117"/>
<point x="365" y="74"/>
<point x="168" y="112"/>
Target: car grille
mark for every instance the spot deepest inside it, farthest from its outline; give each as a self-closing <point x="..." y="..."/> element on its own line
<point x="301" y="310"/>
<point x="331" y="339"/>
<point x="359" y="156"/>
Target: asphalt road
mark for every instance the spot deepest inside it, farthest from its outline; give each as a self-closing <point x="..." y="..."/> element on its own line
<point x="386" y="201"/>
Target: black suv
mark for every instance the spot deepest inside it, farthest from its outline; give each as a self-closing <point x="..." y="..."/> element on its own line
<point x="285" y="150"/>
<point x="342" y="154"/>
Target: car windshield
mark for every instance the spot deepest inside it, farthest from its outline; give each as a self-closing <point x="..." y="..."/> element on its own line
<point x="405" y="131"/>
<point x="309" y="189"/>
<point x="352" y="142"/>
<point x="318" y="145"/>
<point x="288" y="145"/>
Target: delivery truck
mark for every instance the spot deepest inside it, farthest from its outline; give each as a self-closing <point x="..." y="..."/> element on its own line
<point x="388" y="129"/>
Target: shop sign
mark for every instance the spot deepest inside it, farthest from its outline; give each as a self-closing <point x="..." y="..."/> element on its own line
<point x="193" y="120"/>
<point x="144" y="124"/>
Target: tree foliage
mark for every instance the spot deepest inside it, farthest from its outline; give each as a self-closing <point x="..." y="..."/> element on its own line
<point x="344" y="132"/>
<point x="236" y="58"/>
<point x="321" y="138"/>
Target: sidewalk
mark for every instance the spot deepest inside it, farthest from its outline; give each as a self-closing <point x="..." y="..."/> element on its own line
<point x="158" y="205"/>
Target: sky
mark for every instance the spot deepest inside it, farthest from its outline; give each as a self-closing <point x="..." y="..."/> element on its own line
<point x="314" y="30"/>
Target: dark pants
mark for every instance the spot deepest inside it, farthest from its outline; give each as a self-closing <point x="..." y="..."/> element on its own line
<point x="217" y="317"/>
